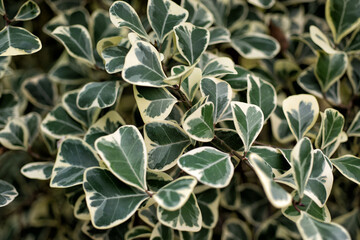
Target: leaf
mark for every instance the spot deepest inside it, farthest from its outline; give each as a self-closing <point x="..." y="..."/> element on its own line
<point x="219" y="35"/>
<point x="101" y="27"/>
<point x="32" y="122"/>
<point x="154" y="103"/>
<point x="191" y="41"/>
<point x="208" y="165"/>
<point x="199" y="15"/>
<point x="350" y="221"/>
<point x="37" y="170"/>
<point x="279" y="126"/>
<point x="7" y="193"/>
<point x="143" y="66"/>
<point x="331" y="126"/>
<point x="219" y="66"/>
<point x="58" y="123"/>
<point x="110" y="201"/>
<point x="18" y="41"/>
<point x="234" y="228"/>
<point x="275" y="193"/>
<point x="15" y="135"/>
<point x="2" y="8"/>
<point x="219" y="10"/>
<point x="311" y="228"/>
<point x="342" y="17"/>
<point x="162" y="232"/>
<point x="301" y="112"/>
<point x="187" y="218"/>
<point x="123" y="15"/>
<point x="164" y="15"/>
<point x="165" y="142"/>
<point x="138" y="232"/>
<point x="219" y="93"/>
<point x="272" y="157"/>
<point x="124" y="153"/>
<point x="199" y="124"/>
<point x="114" y="55"/>
<point x="148" y="215"/>
<point x="354" y="129"/>
<point x="73" y="158"/>
<point x="4" y="65"/>
<point x="203" y="234"/>
<point x="40" y="91"/>
<point x="81" y="210"/>
<point x="237" y="81"/>
<point x="176" y="193"/>
<point x="208" y="201"/>
<point x="98" y="94"/>
<point x="190" y="85"/>
<point x="320" y="39"/>
<point x="349" y="166"/>
<point x="353" y="45"/>
<point x="302" y="158"/>
<point x="266" y="4"/>
<point x="248" y="120"/>
<point x="262" y="94"/>
<point x="330" y="68"/>
<point x="179" y="73"/>
<point x="353" y="73"/>
<point x="77" y="42"/>
<point x="255" y="45"/>
<point x="331" y="149"/>
<point x="29" y="10"/>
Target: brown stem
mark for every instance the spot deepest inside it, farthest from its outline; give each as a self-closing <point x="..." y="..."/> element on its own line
<point x="149" y="193"/>
<point x="7" y="20"/>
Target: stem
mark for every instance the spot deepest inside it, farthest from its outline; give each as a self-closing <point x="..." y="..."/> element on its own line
<point x="181" y="96"/>
<point x="149" y="193"/>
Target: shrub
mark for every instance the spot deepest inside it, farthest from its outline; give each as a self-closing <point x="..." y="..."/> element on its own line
<point x="200" y="119"/>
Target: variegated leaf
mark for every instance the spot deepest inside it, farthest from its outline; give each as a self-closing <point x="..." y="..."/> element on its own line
<point x="234" y="228"/>
<point x="190" y="85"/>
<point x="219" y="66"/>
<point x="162" y="232"/>
<point x="7" y="193"/>
<point x="349" y="166"/>
<point x="81" y="210"/>
<point x="203" y="234"/>
<point x="113" y="51"/>
<point x="332" y="124"/>
<point x="208" y="201"/>
<point x="354" y="129"/>
<point x="138" y="232"/>
<point x="38" y="170"/>
<point x="353" y="72"/>
<point x="219" y="35"/>
<point x="237" y="81"/>
<point x="32" y="122"/>
<point x="15" y="135"/>
<point x="199" y="15"/>
<point x="262" y="3"/>
<point x="320" y="39"/>
<point x="29" y="10"/>
<point x="280" y="127"/>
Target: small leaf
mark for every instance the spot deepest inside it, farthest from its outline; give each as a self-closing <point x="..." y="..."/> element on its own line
<point x="124" y="153"/>
<point x="331" y="126"/>
<point x="106" y="197"/>
<point x="234" y="228"/>
<point x="262" y="3"/>
<point x="237" y="81"/>
<point x="190" y="85"/>
<point x="219" y="35"/>
<point x="272" y="157"/>
<point x="2" y="8"/>
<point x="208" y="201"/>
<point x="199" y="15"/>
<point x="81" y="210"/>
<point x="162" y="232"/>
<point x="148" y="215"/>
<point x="319" y="38"/>
<point x="37" y="170"/>
<point x="15" y="135"/>
<point x="32" y="122"/>
<point x="114" y="57"/>
<point x="208" y="165"/>
<point x="203" y="234"/>
<point x="353" y="45"/>
<point x="248" y="120"/>
<point x="349" y="166"/>
<point x="100" y="26"/>
<point x="164" y="15"/>
<point x="354" y="129"/>
<point x="301" y="112"/>
<point x="138" y="232"/>
<point x="29" y="10"/>
<point x="219" y="66"/>
<point x="73" y="158"/>
<point x="279" y="126"/>
<point x="7" y="193"/>
<point x="353" y="72"/>
<point x="4" y="65"/>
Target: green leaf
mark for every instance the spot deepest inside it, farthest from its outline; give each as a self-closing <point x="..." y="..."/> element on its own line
<point x="320" y="39"/>
<point x="81" y="210"/>
<point x="179" y="73"/>
<point x="219" y="35"/>
<point x="353" y="45"/>
<point x="262" y="3"/>
<point x="123" y="15"/>
<point x="331" y="126"/>
<point x="237" y="81"/>
<point x="208" y="201"/>
<point x="73" y="158"/>
<point x="262" y="94"/>
<point x="310" y="228"/>
<point x="199" y="15"/>
<point x="18" y="41"/>
<point x="58" y="123"/>
<point x="349" y="166"/>
<point x="354" y="129"/>
<point x="164" y="15"/>
<point x="353" y="72"/>
<point x="255" y="45"/>
<point x="329" y="68"/>
<point x="165" y="142"/>
<point x="108" y="124"/>
<point x="7" y="193"/>
<point x="235" y="229"/>
<point x="148" y="215"/>
<point x="275" y="193"/>
<point x="191" y="41"/>
<point x="154" y="103"/>
<point x="37" y="170"/>
<point x="272" y="157"/>
<point x="187" y="218"/>
<point x="110" y="201"/>
<point x="350" y="221"/>
<point x="40" y="91"/>
<point x="219" y="93"/>
<point x="32" y="122"/>
<point x="279" y="126"/>
<point x="199" y="124"/>
<point x="248" y="120"/>
<point x="219" y="10"/>
<point x="162" y="232"/>
<point x="101" y="27"/>
<point x="124" y="153"/>
<point x="2" y="8"/>
<point x="4" y="65"/>
<point x="190" y="85"/>
<point x="208" y="165"/>
<point x="203" y="234"/>
<point x="29" y="10"/>
<point x="143" y="66"/>
<point x="15" y="135"/>
<point x="77" y="42"/>
<point x="219" y="66"/>
<point x="342" y="17"/>
<point x="138" y="232"/>
<point x="176" y="193"/>
<point x="98" y="94"/>
<point x="331" y="149"/>
<point x="113" y="54"/>
<point x="301" y="112"/>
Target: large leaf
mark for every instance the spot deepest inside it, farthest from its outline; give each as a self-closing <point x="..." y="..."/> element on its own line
<point x="7" y="193"/>
<point x="301" y="112"/>
<point x="262" y="94"/>
<point x="219" y="93"/>
<point x="165" y="142"/>
<point x="191" y="41"/>
<point x="29" y="10"/>
<point x="110" y="201"/>
<point x="124" y="153"/>
<point x="73" y="158"/>
<point x="38" y="170"/>
<point x="208" y="165"/>
<point x="219" y="66"/>
<point x="154" y="103"/>
<point x="143" y="66"/>
<point x="175" y="194"/>
<point x="18" y="41"/>
<point x="349" y="166"/>
<point x="164" y="15"/>
<point x="342" y="17"/>
<point x="123" y="15"/>
<point x="199" y="15"/>
<point x="354" y="129"/>
<point x="187" y="218"/>
<point x="15" y="135"/>
<point x="331" y="126"/>
<point x="248" y="120"/>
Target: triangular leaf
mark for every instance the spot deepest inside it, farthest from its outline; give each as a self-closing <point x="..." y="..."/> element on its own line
<point x="7" y="193"/>
<point x="29" y="10"/>
<point x="331" y="126"/>
<point x="15" y="135"/>
<point x="37" y="170"/>
<point x="349" y="166"/>
<point x="219" y="35"/>
<point x="354" y="129"/>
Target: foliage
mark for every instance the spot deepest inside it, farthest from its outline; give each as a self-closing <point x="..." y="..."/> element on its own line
<point x="191" y="119"/>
